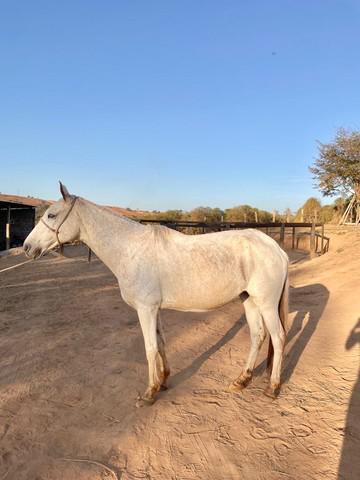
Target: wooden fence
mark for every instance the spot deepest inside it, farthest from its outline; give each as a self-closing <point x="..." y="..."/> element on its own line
<point x="287" y="234"/>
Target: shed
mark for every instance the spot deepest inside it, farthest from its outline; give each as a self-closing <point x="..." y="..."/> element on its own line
<point x="17" y="219"/>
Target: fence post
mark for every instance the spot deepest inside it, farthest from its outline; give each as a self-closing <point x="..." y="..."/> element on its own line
<point x="293" y="238"/>
<point x="282" y="234"/>
<point x="8" y="234"/>
<point x="322" y="239"/>
<point x="312" y="239"/>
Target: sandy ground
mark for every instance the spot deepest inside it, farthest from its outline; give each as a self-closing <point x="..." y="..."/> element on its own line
<point x="72" y="361"/>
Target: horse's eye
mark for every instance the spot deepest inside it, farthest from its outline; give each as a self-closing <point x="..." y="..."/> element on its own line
<point x="51" y="215"/>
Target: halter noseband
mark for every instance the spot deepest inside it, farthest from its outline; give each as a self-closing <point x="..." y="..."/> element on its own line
<point x="56" y="230"/>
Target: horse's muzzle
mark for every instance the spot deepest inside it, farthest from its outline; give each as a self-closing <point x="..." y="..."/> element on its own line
<point x="29" y="252"/>
<point x="27" y="248"/>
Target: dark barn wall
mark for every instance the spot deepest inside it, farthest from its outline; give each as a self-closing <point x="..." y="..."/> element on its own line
<point x="3" y="216"/>
<point x="22" y="221"/>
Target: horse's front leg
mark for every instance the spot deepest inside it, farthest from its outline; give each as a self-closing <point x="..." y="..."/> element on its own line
<point x="148" y="321"/>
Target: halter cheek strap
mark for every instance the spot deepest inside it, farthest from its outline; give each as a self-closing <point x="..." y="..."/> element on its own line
<point x="56" y="230"/>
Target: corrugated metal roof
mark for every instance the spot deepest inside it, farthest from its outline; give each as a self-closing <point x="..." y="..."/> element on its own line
<point x="127" y="213"/>
<point x="18" y="200"/>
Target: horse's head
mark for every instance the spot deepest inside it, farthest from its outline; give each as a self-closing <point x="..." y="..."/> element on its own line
<point x="58" y="225"/>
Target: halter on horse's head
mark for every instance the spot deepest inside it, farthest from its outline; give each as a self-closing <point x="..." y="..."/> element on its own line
<point x="40" y="240"/>
<point x="57" y="229"/>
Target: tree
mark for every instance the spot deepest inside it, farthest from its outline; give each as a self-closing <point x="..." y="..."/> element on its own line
<point x="172" y="215"/>
<point x="208" y="214"/>
<point x="327" y="213"/>
<point x="287" y="216"/>
<point x="264" y="216"/>
<point x="246" y="213"/>
<point x="241" y="213"/>
<point x="337" y="168"/>
<point x="310" y="211"/>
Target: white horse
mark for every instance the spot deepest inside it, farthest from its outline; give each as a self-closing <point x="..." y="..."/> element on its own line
<point x="160" y="268"/>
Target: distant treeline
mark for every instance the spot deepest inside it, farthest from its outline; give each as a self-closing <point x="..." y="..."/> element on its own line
<point x="242" y="213"/>
<point x="312" y="210"/>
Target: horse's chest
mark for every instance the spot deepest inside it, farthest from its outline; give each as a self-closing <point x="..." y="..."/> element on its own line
<point x="140" y="290"/>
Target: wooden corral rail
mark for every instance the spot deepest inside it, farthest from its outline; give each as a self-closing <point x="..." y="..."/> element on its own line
<point x="298" y="230"/>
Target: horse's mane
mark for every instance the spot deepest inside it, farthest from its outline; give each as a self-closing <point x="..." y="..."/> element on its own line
<point x="162" y="231"/>
<point x="111" y="212"/>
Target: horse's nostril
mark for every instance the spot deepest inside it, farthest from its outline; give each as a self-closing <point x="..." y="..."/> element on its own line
<point x="26" y="247"/>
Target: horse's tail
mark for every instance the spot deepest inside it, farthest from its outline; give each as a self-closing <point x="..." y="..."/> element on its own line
<point x="283" y="314"/>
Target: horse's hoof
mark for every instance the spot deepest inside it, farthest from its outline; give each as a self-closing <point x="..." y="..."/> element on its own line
<point x="144" y="402"/>
<point x="238" y="385"/>
<point x="272" y="392"/>
<point x="163" y="387"/>
<point x="241" y="382"/>
<point x="235" y="387"/>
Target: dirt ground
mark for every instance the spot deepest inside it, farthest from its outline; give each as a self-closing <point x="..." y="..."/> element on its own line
<point x="72" y="361"/>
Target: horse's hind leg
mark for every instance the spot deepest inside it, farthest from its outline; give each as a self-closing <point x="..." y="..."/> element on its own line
<point x="257" y="334"/>
<point x="273" y="324"/>
<point x="148" y="317"/>
<point x="161" y="345"/>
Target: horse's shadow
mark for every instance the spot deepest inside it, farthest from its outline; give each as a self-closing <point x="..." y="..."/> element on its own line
<point x="309" y="303"/>
<point x="349" y="463"/>
<point x="189" y="371"/>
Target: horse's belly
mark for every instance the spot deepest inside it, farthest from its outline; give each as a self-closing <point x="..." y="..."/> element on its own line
<point x="199" y="299"/>
<point x="183" y="307"/>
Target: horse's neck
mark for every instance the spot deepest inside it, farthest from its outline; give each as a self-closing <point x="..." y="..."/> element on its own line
<point x="106" y="233"/>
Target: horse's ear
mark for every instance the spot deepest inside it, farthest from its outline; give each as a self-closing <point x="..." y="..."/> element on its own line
<point x="64" y="192"/>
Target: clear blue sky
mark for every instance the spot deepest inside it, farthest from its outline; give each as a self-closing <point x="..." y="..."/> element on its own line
<point x="174" y="104"/>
